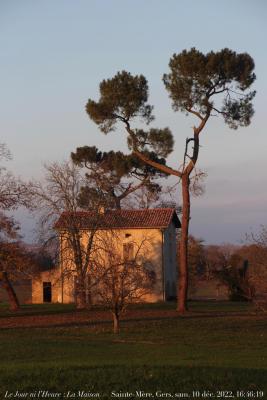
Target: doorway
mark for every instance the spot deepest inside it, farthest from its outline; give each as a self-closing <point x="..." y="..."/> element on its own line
<point x="47" y="292"/>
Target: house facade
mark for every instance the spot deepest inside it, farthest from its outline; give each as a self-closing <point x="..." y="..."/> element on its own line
<point x="149" y="232"/>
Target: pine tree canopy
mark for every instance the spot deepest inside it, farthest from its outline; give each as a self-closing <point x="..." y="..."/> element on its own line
<point x="124" y="96"/>
<point x="120" y="164"/>
<point x="112" y="176"/>
<point x="195" y="79"/>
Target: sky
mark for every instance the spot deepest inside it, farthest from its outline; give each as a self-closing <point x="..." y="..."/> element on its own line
<point x="54" y="54"/>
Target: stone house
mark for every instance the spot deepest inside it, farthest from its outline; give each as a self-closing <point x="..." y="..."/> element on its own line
<point x="157" y="227"/>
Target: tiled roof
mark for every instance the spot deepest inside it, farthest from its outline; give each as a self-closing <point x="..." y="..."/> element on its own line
<point x="112" y="219"/>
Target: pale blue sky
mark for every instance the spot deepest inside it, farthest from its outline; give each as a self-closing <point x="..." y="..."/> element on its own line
<point x="54" y="53"/>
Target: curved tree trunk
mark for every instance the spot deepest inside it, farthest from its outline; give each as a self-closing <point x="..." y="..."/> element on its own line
<point x="116" y="322"/>
<point x="183" y="266"/>
<point x="13" y="300"/>
<point x="81" y="303"/>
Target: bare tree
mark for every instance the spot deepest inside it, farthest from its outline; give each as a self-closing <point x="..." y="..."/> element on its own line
<point x="256" y="253"/>
<point x="57" y="197"/>
<point x="8" y="233"/>
<point x="78" y="247"/>
<point x="121" y="277"/>
<point x="13" y="193"/>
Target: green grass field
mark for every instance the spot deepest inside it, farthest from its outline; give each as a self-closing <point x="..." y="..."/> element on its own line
<point x="218" y="347"/>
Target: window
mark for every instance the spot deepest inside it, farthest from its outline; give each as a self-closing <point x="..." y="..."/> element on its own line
<point x="128" y="252"/>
